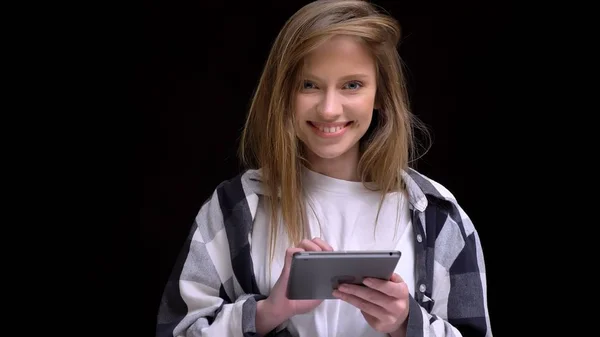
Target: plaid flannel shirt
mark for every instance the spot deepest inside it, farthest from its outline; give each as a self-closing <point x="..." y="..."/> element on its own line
<point x="212" y="290"/>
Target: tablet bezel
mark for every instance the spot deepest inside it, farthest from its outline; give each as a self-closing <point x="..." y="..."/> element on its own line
<point x="314" y="275"/>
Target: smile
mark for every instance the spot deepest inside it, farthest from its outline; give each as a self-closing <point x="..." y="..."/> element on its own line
<point x="328" y="130"/>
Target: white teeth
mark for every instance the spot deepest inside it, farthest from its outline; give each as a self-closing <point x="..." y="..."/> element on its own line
<point x="330" y="130"/>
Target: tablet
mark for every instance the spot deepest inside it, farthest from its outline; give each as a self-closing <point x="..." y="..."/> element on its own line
<point x="314" y="275"/>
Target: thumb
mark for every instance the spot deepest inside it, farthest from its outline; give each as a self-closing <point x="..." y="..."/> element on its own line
<point x="396" y="278"/>
<point x="289" y="253"/>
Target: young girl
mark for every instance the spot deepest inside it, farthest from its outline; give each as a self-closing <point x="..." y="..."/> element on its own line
<point x="328" y="141"/>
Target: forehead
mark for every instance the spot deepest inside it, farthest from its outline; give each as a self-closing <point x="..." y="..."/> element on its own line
<point x="340" y="56"/>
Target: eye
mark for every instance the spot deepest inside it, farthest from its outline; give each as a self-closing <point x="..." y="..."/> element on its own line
<point x="307" y="85"/>
<point x="354" y="85"/>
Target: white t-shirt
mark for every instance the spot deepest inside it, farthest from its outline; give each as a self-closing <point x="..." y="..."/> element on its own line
<point x="342" y="213"/>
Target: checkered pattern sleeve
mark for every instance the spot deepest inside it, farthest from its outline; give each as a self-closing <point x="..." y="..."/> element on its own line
<point x="210" y="292"/>
<point x="451" y="299"/>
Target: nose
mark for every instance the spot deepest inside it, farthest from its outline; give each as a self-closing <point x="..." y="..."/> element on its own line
<point x="330" y="107"/>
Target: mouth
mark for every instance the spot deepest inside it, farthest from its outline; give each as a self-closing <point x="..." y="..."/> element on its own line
<point x="329" y="129"/>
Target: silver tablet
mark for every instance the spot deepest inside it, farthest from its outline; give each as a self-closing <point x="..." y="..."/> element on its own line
<point x="314" y="275"/>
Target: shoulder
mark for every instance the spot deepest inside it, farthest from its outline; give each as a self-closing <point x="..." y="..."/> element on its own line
<point x="430" y="187"/>
<point x="245" y="183"/>
<point x="439" y="199"/>
<point x="242" y="188"/>
<point x="232" y="203"/>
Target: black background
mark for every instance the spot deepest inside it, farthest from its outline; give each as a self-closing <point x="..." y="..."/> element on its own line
<point x="195" y="68"/>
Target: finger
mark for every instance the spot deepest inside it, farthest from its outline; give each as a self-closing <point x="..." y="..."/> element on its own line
<point x="365" y="306"/>
<point x="395" y="288"/>
<point x="289" y="253"/>
<point x="282" y="282"/>
<point x="309" y="245"/>
<point x="396" y="278"/>
<point x="381" y="324"/>
<point x="324" y="245"/>
<point x="367" y="294"/>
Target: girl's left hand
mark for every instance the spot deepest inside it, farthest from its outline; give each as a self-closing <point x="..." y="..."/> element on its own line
<point x="384" y="304"/>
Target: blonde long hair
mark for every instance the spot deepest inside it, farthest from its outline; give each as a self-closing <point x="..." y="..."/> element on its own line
<point x="269" y="140"/>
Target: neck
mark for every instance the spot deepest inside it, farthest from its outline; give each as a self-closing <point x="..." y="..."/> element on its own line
<point x="344" y="167"/>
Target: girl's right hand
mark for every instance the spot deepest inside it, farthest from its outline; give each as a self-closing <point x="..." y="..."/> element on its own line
<point x="277" y="308"/>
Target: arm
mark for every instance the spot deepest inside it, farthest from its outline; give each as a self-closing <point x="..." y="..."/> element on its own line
<point x="199" y="298"/>
<point x="267" y="318"/>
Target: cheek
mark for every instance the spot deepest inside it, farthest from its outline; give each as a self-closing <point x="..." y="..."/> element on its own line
<point x="363" y="122"/>
<point x="300" y="115"/>
<point x="301" y="105"/>
<point x="364" y="112"/>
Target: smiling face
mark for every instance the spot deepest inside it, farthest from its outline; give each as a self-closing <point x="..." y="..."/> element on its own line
<point x="334" y="106"/>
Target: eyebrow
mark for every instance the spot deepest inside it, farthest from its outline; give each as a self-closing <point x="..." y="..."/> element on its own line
<point x="344" y="78"/>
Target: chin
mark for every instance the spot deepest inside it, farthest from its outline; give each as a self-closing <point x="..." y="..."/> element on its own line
<point x="330" y="152"/>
